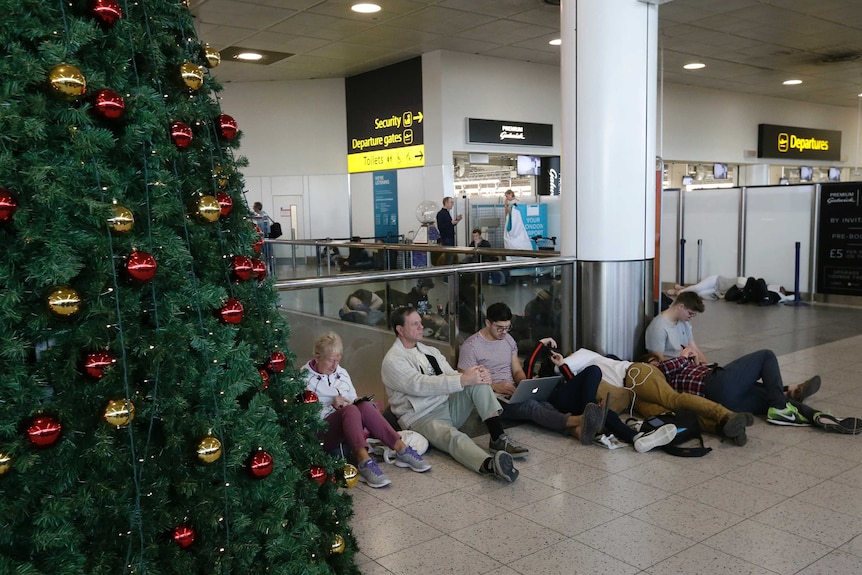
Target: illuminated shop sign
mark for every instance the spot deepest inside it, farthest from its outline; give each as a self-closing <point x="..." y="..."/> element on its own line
<point x="510" y="133"/>
<point x="792" y="143"/>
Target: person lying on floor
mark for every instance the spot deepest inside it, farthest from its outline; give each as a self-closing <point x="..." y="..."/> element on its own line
<point x="652" y="394"/>
<point x="751" y="383"/>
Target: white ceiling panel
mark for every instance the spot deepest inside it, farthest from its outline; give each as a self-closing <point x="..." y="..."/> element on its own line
<point x="748" y="45"/>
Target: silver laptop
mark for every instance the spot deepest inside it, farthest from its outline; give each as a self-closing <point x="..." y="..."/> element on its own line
<point x="539" y="388"/>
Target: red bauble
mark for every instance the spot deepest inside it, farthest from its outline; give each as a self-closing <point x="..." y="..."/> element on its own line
<point x="232" y="311"/>
<point x="44" y="431"/>
<point x="242" y="267"/>
<point x="257" y="246"/>
<point x="258" y="269"/>
<point x="225" y="202"/>
<point x="264" y="376"/>
<point x="108" y="105"/>
<point x="181" y="135"/>
<point x="94" y="364"/>
<point x="8" y="205"/>
<point x="226" y="126"/>
<point x="309" y="396"/>
<point x="318" y="474"/>
<point x="277" y="361"/>
<point x="106" y="11"/>
<point x="260" y="464"/>
<point x="141" y="267"/>
<point x="183" y="535"/>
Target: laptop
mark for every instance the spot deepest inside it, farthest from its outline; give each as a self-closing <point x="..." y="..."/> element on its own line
<point x="539" y="389"/>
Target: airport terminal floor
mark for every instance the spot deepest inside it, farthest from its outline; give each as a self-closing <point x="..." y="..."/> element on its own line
<point x="790" y="501"/>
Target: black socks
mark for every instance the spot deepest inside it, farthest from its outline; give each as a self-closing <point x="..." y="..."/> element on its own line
<point x="495" y="427"/>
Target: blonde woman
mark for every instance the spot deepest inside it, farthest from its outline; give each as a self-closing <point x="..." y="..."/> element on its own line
<point x="348" y="416"/>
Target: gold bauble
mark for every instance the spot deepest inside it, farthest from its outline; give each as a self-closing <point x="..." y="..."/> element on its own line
<point x="64" y="301"/>
<point x="212" y="56"/>
<point x="67" y="81"/>
<point x="209" y="449"/>
<point x="121" y="220"/>
<point x="119" y="412"/>
<point x="351" y="475"/>
<point x="192" y="75"/>
<point x="337" y="544"/>
<point x="5" y="463"/>
<point x="208" y="209"/>
<point x="221" y="176"/>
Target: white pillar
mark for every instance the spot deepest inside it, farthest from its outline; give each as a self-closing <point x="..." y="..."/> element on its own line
<point x="608" y="166"/>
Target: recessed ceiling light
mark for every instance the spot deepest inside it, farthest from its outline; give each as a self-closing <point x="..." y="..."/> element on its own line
<point x="694" y="66"/>
<point x="249" y="56"/>
<point x="365" y="8"/>
<point x="792" y="82"/>
<point x="556" y="42"/>
<point x="860" y="95"/>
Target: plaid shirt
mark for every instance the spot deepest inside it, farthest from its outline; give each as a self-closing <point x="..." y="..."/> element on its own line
<point x="685" y="376"/>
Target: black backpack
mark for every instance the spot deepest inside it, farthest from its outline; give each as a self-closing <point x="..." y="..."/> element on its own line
<point x="688" y="441"/>
<point x="274" y="230"/>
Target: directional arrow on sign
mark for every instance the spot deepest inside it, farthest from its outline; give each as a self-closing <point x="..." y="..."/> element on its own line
<point x="418" y="117"/>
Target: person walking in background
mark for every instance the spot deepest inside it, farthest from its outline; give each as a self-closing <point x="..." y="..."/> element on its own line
<point x="263" y="221"/>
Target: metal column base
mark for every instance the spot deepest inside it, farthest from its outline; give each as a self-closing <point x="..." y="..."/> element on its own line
<point x="614" y="306"/>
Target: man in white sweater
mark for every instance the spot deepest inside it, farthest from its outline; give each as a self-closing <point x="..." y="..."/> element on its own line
<point x="428" y="396"/>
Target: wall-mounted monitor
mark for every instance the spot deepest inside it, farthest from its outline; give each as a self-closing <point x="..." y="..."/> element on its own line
<point x="806" y="173"/>
<point x="834" y="174"/>
<point x="529" y="165"/>
<point x="687" y="180"/>
<point x="719" y="171"/>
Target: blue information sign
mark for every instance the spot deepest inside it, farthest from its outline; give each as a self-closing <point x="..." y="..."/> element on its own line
<point x="386" y="204"/>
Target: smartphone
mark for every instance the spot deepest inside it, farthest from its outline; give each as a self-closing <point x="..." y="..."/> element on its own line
<point x="364" y="398"/>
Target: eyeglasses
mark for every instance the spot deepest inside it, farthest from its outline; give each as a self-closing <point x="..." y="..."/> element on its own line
<point x="502" y="328"/>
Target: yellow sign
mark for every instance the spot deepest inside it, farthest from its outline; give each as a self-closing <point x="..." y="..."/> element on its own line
<point x="407" y="157"/>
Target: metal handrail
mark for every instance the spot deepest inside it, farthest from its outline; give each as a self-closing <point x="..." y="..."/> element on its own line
<point x="376" y="276"/>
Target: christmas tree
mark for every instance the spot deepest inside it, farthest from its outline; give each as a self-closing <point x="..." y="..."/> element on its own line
<point x="152" y="420"/>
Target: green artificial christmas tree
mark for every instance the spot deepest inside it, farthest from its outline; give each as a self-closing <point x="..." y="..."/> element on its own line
<point x="152" y="420"/>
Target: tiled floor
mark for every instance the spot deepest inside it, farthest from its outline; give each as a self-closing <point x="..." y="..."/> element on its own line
<point x="788" y="502"/>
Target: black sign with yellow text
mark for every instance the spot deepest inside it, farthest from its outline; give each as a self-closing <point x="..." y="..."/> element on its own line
<point x="798" y="143"/>
<point x="384" y="118"/>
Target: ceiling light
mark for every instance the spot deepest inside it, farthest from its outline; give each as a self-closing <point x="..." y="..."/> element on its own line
<point x="694" y="66"/>
<point x="249" y="56"/>
<point x="556" y="42"/>
<point x="792" y="82"/>
<point x="365" y="8"/>
<point x="860" y="95"/>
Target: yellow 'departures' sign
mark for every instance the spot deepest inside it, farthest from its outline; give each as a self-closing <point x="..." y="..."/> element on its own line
<point x="392" y="159"/>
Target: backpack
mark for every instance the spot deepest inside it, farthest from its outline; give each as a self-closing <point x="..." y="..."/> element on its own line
<point x="688" y="441"/>
<point x="274" y="230"/>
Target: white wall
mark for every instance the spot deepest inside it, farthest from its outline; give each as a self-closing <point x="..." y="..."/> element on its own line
<point x="712" y="126"/>
<point x="299" y="129"/>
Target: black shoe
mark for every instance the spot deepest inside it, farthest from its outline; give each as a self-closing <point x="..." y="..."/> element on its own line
<point x="733" y="426"/>
<point x="847" y="425"/>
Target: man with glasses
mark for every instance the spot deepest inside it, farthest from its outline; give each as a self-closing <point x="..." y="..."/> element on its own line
<point x="428" y="396"/>
<point x="670" y="331"/>
<point x="493" y="348"/>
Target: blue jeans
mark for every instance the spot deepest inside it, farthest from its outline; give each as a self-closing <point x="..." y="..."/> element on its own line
<point x="736" y="385"/>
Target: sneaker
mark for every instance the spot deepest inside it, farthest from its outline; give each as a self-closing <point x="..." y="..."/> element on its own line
<point x="371" y="474"/>
<point x="503" y="443"/>
<point x="733" y="425"/>
<point x="848" y="425"/>
<point x="504" y="467"/>
<point x="787" y="416"/>
<point x="656" y="438"/>
<point x="594" y="420"/>
<point x="410" y="458"/>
